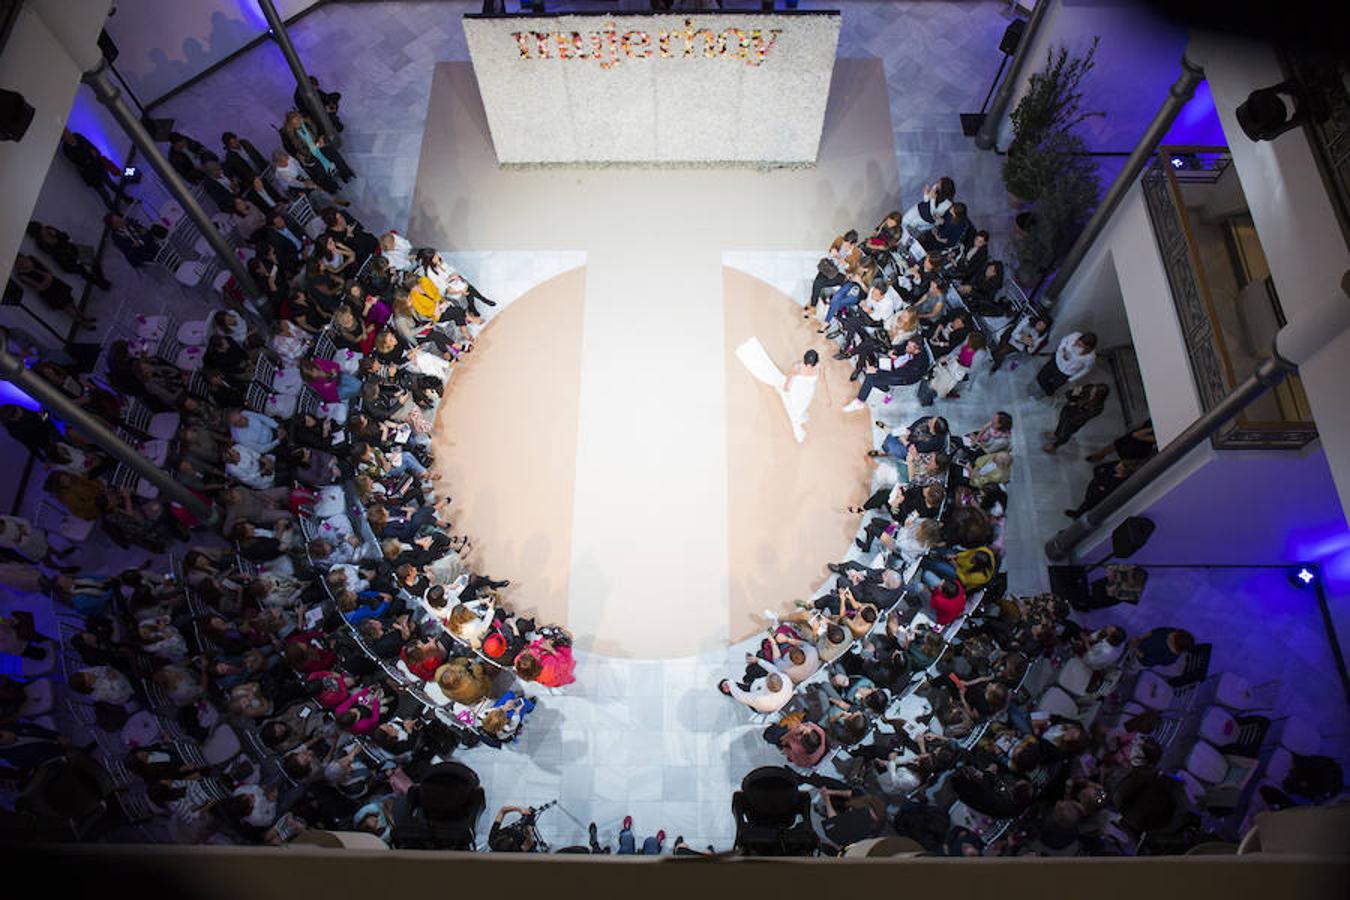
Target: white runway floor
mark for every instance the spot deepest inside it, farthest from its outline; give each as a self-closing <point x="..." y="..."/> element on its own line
<point x="649" y="543"/>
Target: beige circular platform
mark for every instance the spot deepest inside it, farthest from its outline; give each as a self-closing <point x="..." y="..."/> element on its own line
<point x="506" y="444"/>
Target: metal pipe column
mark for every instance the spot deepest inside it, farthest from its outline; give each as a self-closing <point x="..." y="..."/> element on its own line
<point x="987" y="136"/>
<point x="1293" y="345"/>
<point x="312" y="99"/>
<point x="1269" y="372"/>
<point x="13" y="370"/>
<point x="1178" y="96"/>
<point x="108" y="94"/>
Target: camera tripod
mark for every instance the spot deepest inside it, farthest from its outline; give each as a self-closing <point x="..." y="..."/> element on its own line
<point x="527" y="822"/>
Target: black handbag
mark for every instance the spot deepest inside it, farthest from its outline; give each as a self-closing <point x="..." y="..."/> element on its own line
<point x="827" y="268"/>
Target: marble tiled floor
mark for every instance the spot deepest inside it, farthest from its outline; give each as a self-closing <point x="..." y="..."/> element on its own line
<point x="654" y="739"/>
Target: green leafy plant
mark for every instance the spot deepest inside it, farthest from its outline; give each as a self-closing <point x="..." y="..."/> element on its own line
<point x="1053" y="101"/>
<point x="1026" y="173"/>
<point x="1064" y="203"/>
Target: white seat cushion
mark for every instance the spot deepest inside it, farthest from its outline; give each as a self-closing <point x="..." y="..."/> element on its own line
<point x="1152" y="691"/>
<point x="1280" y="765"/>
<point x="1057" y="702"/>
<point x="163" y="425"/>
<point x="1233" y="691"/>
<point x="222" y="745"/>
<point x="1074" y="677"/>
<point x="1299" y="736"/>
<point x="38" y="698"/>
<point x="190" y="273"/>
<point x="1206" y="763"/>
<point x="1218" y="727"/>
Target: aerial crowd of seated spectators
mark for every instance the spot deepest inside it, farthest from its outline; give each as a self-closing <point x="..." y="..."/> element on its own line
<point x="325" y="612"/>
<point x="914" y="694"/>
<point x="321" y="643"/>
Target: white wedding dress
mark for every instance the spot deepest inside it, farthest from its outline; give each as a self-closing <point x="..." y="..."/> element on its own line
<point x="796" y="391"/>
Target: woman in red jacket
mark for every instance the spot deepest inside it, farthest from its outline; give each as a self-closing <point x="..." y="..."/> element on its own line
<point x="423" y="658"/>
<point x="948" y="601"/>
<point x="306" y="652"/>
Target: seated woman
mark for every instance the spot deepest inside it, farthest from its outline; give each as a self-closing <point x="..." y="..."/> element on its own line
<point x="504" y="719"/>
<point x="993" y="437"/>
<point x="423" y="658"/>
<point x="981" y="697"/>
<point x="804" y="744"/>
<point x="470" y="622"/>
<point x="970" y="262"/>
<point x="948" y="601"/>
<point x="980" y="293"/>
<point x="934" y="202"/>
<point x="548" y="659"/>
<point x="464" y="680"/>
<point x="992" y="468"/>
<point x="951" y="234"/>
<point x="952" y="329"/>
<point x="795" y="658"/>
<point x="359" y="713"/>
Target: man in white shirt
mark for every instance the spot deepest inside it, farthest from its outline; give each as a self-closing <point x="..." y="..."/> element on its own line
<point x="1073" y="359"/>
<point x="290" y="176"/>
<point x="766" y="695"/>
<point x="398" y="250"/>
<point x="249" y="467"/>
<point x="255" y="430"/>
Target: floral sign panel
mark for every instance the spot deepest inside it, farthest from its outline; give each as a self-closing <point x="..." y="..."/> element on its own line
<point x="654" y="88"/>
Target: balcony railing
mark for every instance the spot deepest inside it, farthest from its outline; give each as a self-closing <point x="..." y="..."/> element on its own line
<point x="1279" y="422"/>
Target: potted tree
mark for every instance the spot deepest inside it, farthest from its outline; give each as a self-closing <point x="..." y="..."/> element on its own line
<point x="1052" y="104"/>
<point x="1064" y="204"/>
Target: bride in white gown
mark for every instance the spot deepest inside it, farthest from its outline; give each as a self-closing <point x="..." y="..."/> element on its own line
<point x="796" y="389"/>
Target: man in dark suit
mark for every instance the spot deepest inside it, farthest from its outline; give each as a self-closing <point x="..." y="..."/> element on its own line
<point x="242" y="160"/>
<point x="906" y="369"/>
<point x="289" y="246"/>
<point x="137" y="243"/>
<point x="219" y="187"/>
<point x="181" y="159"/>
<point x="92" y="166"/>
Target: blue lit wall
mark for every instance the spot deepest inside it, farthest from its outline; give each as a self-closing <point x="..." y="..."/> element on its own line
<point x="1198" y="122"/>
<point x="11" y="394"/>
<point x="89" y="118"/>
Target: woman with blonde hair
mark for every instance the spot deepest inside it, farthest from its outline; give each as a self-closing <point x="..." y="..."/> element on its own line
<point x="470" y="622"/>
<point x="300" y="138"/>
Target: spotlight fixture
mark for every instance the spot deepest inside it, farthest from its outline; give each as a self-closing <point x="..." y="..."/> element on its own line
<point x="1304" y="576"/>
<point x="1270" y="112"/>
<point x="1178" y="163"/>
<point x="131" y="174"/>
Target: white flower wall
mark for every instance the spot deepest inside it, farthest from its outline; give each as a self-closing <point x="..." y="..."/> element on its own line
<point x="686" y="88"/>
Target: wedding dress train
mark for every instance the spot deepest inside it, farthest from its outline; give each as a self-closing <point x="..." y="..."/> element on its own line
<point x="796" y="391"/>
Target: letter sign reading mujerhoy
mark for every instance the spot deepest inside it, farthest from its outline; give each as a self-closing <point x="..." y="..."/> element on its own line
<point x="610" y="46"/>
<point x="717" y="88"/>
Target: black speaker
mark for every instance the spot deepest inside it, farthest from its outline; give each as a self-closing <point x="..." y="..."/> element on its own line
<point x="971" y="122"/>
<point x="1130" y="536"/>
<point x="15" y="116"/>
<point x="1012" y="36"/>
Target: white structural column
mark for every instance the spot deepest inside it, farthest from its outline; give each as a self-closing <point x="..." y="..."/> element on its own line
<point x="649" y="543"/>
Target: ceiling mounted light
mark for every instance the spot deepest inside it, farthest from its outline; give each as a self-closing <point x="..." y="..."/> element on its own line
<point x="1270" y="112"/>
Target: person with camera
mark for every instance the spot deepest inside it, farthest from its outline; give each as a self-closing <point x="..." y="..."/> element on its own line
<point x="517" y="837"/>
